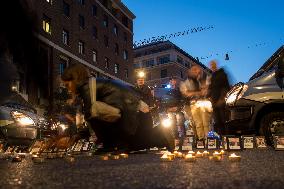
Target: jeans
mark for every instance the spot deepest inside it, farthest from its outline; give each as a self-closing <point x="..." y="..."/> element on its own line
<point x="201" y="117"/>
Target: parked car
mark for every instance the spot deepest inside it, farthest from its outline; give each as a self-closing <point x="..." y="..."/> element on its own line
<point x="19" y="123"/>
<point x="257" y="107"/>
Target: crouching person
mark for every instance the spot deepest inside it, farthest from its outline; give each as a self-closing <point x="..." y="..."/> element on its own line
<point x="114" y="112"/>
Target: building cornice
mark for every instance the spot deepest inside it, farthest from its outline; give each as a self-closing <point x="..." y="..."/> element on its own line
<point x="118" y="21"/>
<point x="124" y="9"/>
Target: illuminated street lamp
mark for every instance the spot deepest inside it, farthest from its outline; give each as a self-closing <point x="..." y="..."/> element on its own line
<point x="141" y="74"/>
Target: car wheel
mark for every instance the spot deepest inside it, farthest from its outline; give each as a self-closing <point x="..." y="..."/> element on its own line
<point x="272" y="124"/>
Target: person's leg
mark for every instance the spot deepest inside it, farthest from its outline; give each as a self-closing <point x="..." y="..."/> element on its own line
<point x="197" y="118"/>
<point x="219" y="119"/>
<point x="181" y="128"/>
<point x="187" y="110"/>
<point x="206" y="117"/>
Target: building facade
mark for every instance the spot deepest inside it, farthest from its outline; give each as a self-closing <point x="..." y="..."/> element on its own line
<point x="95" y="33"/>
<point x="163" y="60"/>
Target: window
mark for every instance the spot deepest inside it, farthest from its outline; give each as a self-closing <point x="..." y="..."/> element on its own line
<point x="137" y="65"/>
<point x="164" y="73"/>
<point x="106" y="40"/>
<point x="126" y="73"/>
<point x="95" y="55"/>
<point x="124" y="36"/>
<point x="46" y="24"/>
<point x="95" y="32"/>
<point x="125" y="21"/>
<point x="81" y="47"/>
<point x="66" y="9"/>
<point x="148" y="63"/>
<point x="81" y="2"/>
<point x="116" y="68"/>
<point x="187" y="64"/>
<point x="181" y="74"/>
<point x="81" y="21"/>
<point x="63" y="64"/>
<point x="94" y="10"/>
<point x="116" y="49"/>
<point x="179" y="60"/>
<point x="164" y="59"/>
<point x="65" y="37"/>
<point x="115" y="30"/>
<point x="106" y="63"/>
<point x="125" y="55"/>
<point x="114" y="12"/>
<point x="105" y="21"/>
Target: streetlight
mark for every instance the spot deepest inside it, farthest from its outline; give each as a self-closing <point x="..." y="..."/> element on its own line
<point x="141" y="74"/>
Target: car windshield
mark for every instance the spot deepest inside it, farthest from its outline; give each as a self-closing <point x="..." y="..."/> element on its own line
<point x="16" y="101"/>
<point x="19" y="107"/>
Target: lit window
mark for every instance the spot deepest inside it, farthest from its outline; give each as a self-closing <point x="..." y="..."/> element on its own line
<point x="126" y="73"/>
<point x="125" y="55"/>
<point x="95" y="56"/>
<point x="116" y="68"/>
<point x="81" y="47"/>
<point x="106" y="63"/>
<point x="65" y="37"/>
<point x="46" y="22"/>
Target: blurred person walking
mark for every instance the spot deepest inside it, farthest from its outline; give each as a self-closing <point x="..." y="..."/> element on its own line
<point x="194" y="89"/>
<point x="217" y="90"/>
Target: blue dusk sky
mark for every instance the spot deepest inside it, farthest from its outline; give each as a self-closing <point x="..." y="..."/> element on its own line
<point x="249" y="30"/>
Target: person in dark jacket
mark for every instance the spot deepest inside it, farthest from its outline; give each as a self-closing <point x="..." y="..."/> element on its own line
<point x="218" y="88"/>
<point x="123" y="132"/>
<point x="174" y="110"/>
<point x="144" y="90"/>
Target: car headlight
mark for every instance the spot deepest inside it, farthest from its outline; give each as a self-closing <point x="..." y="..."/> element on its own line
<point x="22" y="118"/>
<point x="236" y="93"/>
<point x="167" y="122"/>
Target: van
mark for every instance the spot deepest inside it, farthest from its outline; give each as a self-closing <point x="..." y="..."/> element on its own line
<point x="257" y="107"/>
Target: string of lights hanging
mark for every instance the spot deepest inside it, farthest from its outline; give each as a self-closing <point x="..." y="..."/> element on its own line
<point x="169" y="36"/>
<point x="226" y="54"/>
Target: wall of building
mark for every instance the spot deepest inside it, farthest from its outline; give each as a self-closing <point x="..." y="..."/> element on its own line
<point x="52" y="41"/>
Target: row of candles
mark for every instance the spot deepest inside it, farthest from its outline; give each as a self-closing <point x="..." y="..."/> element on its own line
<point x="191" y="156"/>
<point x="38" y="158"/>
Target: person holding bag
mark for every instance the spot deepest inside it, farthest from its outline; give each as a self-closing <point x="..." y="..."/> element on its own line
<point x="114" y="111"/>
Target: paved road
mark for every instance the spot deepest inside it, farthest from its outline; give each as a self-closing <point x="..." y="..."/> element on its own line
<point x="257" y="169"/>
